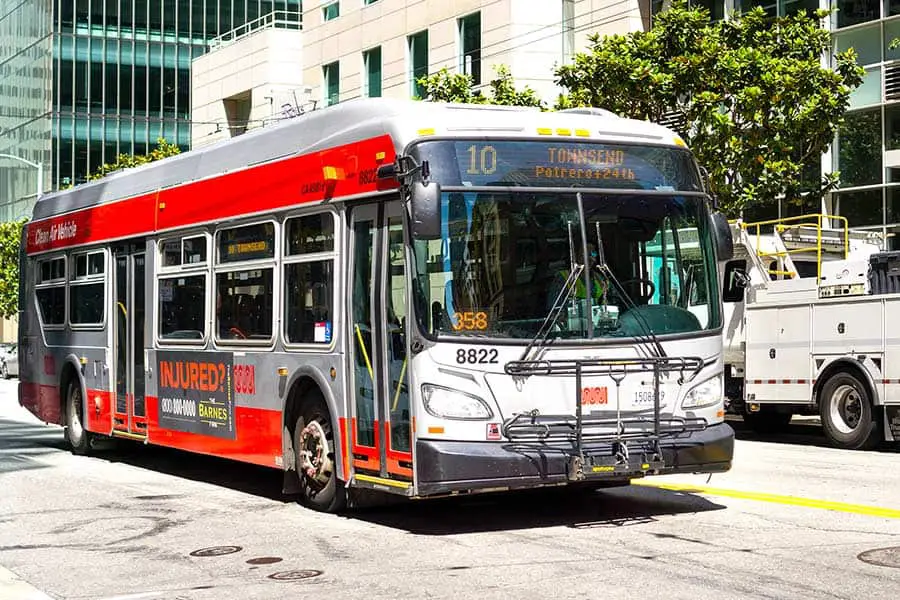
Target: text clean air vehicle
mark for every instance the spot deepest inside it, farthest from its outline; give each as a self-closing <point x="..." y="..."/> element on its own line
<point x="392" y="295"/>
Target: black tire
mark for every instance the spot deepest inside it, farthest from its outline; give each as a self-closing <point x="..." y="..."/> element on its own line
<point x="4" y="371"/>
<point x="329" y="495"/>
<point x="848" y="417"/>
<point x="768" y="420"/>
<point x="78" y="438"/>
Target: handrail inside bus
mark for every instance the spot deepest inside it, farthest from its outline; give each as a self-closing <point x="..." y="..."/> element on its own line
<point x="365" y="354"/>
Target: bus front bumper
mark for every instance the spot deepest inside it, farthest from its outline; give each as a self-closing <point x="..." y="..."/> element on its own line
<point x="449" y="466"/>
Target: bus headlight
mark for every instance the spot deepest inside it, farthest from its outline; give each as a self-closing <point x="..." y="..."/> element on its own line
<point x="706" y="394"/>
<point x="445" y="403"/>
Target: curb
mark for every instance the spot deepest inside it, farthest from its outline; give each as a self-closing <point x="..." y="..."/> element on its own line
<point x="13" y="587"/>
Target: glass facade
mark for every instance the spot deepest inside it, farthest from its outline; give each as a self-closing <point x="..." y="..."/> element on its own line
<point x="122" y="73"/>
<point x="25" y="75"/>
<point x="867" y="148"/>
<point x="104" y="77"/>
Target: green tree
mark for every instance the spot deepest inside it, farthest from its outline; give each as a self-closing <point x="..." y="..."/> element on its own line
<point x="125" y="161"/>
<point x="444" y="86"/>
<point x="10" y="244"/>
<point x="749" y="95"/>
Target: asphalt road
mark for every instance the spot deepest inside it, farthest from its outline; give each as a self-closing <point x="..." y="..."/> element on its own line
<point x="793" y="519"/>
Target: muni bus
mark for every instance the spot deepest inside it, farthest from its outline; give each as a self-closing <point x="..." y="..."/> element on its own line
<point x="423" y="299"/>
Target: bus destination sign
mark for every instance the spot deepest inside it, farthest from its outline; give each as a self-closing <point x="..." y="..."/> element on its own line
<point x="560" y="164"/>
<point x="195" y="393"/>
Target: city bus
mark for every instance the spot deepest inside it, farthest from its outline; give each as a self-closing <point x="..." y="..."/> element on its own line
<point x="416" y="298"/>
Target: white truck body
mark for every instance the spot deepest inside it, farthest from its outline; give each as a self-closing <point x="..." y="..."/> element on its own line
<point x="807" y="332"/>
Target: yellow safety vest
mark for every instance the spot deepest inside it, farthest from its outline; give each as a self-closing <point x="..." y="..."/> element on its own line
<point x="596" y="287"/>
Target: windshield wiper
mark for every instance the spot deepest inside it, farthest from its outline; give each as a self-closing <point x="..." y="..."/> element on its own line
<point x="606" y="272"/>
<point x="562" y="299"/>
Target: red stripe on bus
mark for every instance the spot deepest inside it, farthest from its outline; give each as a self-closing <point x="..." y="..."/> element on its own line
<point x="344" y="425"/>
<point x="41" y="400"/>
<point x="365" y="457"/>
<point x="99" y="421"/>
<point x="257" y="440"/>
<point x="395" y="457"/>
<point x="258" y="189"/>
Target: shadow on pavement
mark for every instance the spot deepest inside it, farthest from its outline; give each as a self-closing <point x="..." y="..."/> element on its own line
<point x="242" y="477"/>
<point x="22" y="445"/>
<point x="799" y="433"/>
<point x="506" y="511"/>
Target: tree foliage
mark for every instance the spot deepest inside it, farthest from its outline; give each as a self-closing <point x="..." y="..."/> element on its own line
<point x="444" y="86"/>
<point x="125" y="161"/>
<point x="749" y="94"/>
<point x="10" y="243"/>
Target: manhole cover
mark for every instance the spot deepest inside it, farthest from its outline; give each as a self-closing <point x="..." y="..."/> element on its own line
<point x="216" y="551"/>
<point x="264" y="560"/>
<point x="883" y="557"/>
<point x="295" y="575"/>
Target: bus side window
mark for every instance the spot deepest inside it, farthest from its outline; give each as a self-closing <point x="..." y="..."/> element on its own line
<point x="735" y="278"/>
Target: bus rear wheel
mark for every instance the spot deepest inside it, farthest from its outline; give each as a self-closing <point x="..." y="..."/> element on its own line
<point x="78" y="438"/>
<point x="848" y="417"/>
<point x="315" y="457"/>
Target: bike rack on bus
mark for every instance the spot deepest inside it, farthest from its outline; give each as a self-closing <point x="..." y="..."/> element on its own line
<point x="625" y="445"/>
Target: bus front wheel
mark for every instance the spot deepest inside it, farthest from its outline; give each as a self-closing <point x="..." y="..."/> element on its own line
<point x="315" y="457"/>
<point x="77" y="436"/>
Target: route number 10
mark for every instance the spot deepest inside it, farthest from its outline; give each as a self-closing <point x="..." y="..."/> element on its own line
<point x="484" y="162"/>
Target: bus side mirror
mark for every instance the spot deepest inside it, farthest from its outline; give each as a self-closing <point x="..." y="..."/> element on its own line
<point x="425" y="207"/>
<point x="722" y="234"/>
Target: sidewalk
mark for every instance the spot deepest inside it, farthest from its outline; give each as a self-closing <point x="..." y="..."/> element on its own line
<point x="14" y="588"/>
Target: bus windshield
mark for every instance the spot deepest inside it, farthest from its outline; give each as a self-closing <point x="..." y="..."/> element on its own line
<point x="504" y="258"/>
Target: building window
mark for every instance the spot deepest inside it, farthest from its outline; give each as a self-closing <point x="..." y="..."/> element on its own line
<point x="851" y="12"/>
<point x="470" y="46"/>
<point x="418" y="62"/>
<point x="331" y="73"/>
<point x="245" y="283"/>
<point x="51" y="291"/>
<point x="368" y="2"/>
<point x="769" y="6"/>
<point x="331" y="11"/>
<point x="183" y="280"/>
<point x="859" y="143"/>
<point x="309" y="279"/>
<point x="87" y="289"/>
<point x="372" y="64"/>
<point x="861" y="208"/>
<point x="568" y="23"/>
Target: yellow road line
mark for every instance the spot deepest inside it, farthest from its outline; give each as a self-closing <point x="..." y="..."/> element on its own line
<point x="859" y="509"/>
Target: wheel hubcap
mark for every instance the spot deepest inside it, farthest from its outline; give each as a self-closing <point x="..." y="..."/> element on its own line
<point x="315" y="462"/>
<point x="846" y="409"/>
<point x="75" y="415"/>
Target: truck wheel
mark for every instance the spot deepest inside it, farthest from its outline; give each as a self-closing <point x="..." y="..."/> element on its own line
<point x="315" y="457"/>
<point x="77" y="436"/>
<point x="768" y="420"/>
<point x="845" y="406"/>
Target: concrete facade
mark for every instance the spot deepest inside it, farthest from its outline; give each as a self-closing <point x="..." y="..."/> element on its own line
<point x="269" y="72"/>
<point x="530" y="37"/>
<point x="247" y="83"/>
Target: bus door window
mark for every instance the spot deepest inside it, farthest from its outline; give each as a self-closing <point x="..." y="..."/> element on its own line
<point x="398" y="388"/>
<point x="363" y="373"/>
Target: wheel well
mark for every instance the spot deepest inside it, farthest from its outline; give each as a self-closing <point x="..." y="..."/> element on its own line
<point x="69" y="374"/>
<point x="844" y="366"/>
<point x="301" y="387"/>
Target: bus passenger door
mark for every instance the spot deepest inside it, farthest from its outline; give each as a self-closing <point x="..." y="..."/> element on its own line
<point x="129" y="414"/>
<point x="381" y="433"/>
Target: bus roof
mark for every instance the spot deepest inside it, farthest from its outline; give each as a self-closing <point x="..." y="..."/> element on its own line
<point x="347" y="122"/>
